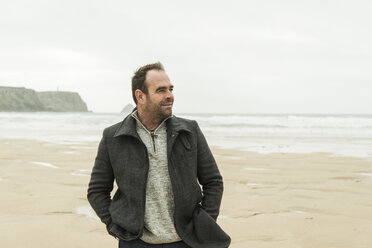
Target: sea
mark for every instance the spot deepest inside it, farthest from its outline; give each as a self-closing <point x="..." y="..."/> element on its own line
<point x="339" y="135"/>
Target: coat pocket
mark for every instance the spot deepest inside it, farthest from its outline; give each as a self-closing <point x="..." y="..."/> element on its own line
<point x="207" y="230"/>
<point x="120" y="233"/>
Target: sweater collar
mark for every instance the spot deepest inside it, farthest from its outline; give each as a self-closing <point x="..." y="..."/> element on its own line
<point x="134" y="114"/>
<point x="128" y="125"/>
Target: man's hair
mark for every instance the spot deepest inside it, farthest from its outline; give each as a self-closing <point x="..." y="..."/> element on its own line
<point x="139" y="78"/>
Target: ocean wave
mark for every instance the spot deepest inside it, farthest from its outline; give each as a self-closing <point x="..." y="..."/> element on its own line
<point x="339" y="134"/>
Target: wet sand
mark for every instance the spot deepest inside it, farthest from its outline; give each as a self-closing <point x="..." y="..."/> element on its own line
<point x="277" y="200"/>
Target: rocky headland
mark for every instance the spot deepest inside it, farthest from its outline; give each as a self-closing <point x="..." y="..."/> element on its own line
<point x="127" y="109"/>
<point x="20" y="99"/>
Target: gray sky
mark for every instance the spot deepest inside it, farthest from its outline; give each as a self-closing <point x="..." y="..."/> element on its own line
<point x="222" y="56"/>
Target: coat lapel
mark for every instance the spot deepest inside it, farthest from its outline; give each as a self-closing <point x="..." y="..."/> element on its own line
<point x="174" y="127"/>
<point x="127" y="127"/>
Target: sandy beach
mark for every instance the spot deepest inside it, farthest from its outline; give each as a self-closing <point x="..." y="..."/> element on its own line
<point x="276" y="200"/>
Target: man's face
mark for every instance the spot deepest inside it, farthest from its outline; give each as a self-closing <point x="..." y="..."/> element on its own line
<point x="160" y="98"/>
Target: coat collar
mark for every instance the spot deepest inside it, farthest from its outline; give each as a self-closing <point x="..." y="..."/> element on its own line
<point x="175" y="124"/>
<point x="128" y="126"/>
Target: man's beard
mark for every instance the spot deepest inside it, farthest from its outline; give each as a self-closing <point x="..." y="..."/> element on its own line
<point x="158" y="111"/>
<point x="164" y="113"/>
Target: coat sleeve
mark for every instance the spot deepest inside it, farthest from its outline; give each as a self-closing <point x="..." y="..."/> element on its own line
<point x="208" y="176"/>
<point x="101" y="183"/>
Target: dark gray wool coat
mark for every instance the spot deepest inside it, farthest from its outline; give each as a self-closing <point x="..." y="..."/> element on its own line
<point x="123" y="157"/>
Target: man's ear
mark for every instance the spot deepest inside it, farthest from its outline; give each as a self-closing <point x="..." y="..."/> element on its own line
<point x="139" y="96"/>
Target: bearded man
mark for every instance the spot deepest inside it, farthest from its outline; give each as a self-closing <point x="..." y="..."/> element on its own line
<point x="169" y="186"/>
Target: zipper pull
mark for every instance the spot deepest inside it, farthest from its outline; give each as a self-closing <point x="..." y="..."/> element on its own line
<point x="154" y="135"/>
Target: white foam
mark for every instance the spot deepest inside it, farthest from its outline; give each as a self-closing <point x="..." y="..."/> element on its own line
<point x="70" y="143"/>
<point x="223" y="216"/>
<point x="306" y="190"/>
<point x="1" y="179"/>
<point x="254" y="184"/>
<point x="300" y="212"/>
<point x="69" y="152"/>
<point x="257" y="169"/>
<point x="228" y="157"/>
<point x="232" y="157"/>
<point x="82" y="147"/>
<point x="366" y="174"/>
<point x="79" y="175"/>
<point x="86" y="211"/>
<point x="49" y="165"/>
<point x="82" y="173"/>
<point x="48" y="144"/>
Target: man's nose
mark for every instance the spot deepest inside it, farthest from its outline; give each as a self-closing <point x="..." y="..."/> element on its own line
<point x="170" y="94"/>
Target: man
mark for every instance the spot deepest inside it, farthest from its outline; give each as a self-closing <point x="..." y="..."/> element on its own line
<point x="158" y="161"/>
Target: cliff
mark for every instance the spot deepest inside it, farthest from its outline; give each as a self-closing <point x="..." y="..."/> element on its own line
<point x="62" y="101"/>
<point x="20" y="99"/>
<point x="127" y="109"/>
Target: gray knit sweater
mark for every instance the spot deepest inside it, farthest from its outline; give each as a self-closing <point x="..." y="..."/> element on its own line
<point x="159" y="209"/>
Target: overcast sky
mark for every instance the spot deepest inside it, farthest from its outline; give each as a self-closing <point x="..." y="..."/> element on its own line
<point x="222" y="56"/>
